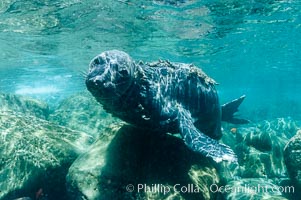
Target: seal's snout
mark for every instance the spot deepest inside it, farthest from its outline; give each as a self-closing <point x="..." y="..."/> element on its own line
<point x="110" y="73"/>
<point x="113" y="64"/>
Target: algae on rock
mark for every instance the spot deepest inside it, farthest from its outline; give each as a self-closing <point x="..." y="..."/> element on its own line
<point x="259" y="147"/>
<point x="292" y="158"/>
<point x="35" y="153"/>
<point x="83" y="113"/>
<point x="23" y="105"/>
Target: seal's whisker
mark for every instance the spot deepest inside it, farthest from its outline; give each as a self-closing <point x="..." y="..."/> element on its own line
<point x="84" y="73"/>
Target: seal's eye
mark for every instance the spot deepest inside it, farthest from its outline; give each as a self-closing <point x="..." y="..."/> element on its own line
<point x="99" y="61"/>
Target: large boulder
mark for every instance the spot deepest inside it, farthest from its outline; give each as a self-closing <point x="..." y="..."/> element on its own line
<point x="35" y="154"/>
<point x="83" y="113"/>
<point x="141" y="164"/>
<point x="24" y="105"/>
<point x="292" y="158"/>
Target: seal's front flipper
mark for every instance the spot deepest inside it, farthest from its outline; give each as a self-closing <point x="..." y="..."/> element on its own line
<point x="199" y="142"/>
<point x="230" y="108"/>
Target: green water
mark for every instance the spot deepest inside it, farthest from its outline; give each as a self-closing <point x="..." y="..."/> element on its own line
<point x="249" y="47"/>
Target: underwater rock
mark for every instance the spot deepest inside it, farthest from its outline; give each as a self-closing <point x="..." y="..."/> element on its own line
<point x="81" y="112"/>
<point x="35" y="156"/>
<point x="24" y="105"/>
<point x="259" y="147"/>
<point x="252" y="188"/>
<point x="141" y="164"/>
<point x="292" y="158"/>
<point x="260" y="141"/>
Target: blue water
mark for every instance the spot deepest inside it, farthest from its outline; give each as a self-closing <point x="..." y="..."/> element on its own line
<point x="249" y="47"/>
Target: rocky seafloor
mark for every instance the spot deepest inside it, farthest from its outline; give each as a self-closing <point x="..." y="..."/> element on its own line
<point x="79" y="152"/>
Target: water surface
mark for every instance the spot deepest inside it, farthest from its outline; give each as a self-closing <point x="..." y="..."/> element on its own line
<point x="249" y="47"/>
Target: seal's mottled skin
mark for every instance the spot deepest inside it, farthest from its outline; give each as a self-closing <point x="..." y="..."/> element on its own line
<point x="170" y="97"/>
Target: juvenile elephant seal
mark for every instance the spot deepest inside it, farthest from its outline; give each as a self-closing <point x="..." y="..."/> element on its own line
<point x="166" y="96"/>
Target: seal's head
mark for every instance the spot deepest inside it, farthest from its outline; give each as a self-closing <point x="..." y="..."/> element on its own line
<point x="110" y="74"/>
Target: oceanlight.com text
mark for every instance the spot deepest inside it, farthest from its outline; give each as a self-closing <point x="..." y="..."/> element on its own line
<point x="214" y="188"/>
<point x="246" y="188"/>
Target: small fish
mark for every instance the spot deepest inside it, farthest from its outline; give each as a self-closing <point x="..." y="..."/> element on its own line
<point x="233" y="130"/>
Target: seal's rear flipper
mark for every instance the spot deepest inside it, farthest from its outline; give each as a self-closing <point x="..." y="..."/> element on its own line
<point x="229" y="109"/>
<point x="199" y="142"/>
